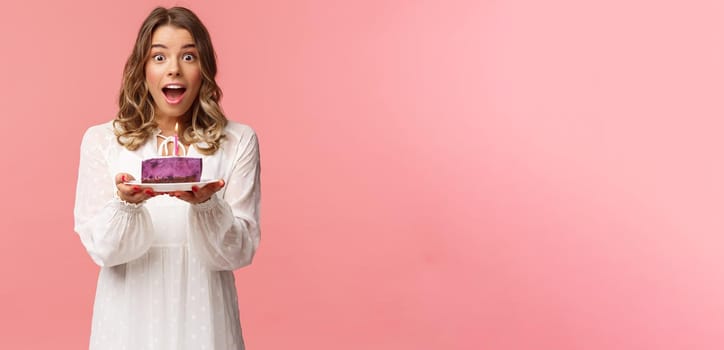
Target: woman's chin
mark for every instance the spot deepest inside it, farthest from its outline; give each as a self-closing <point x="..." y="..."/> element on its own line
<point x="174" y="112"/>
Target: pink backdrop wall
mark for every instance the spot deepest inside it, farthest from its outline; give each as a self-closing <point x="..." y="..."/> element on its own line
<point x="437" y="174"/>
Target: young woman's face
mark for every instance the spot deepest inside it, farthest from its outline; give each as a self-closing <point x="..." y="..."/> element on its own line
<point x="173" y="73"/>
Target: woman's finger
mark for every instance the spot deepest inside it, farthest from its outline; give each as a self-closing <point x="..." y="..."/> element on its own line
<point x="198" y="194"/>
<point x="208" y="189"/>
<point x="123" y="178"/>
<point x="204" y="193"/>
<point x="130" y="192"/>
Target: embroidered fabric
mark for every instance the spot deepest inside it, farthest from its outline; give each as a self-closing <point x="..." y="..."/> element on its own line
<point x="166" y="279"/>
<point x="120" y="200"/>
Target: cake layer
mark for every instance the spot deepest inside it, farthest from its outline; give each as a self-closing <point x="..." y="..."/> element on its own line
<point x="171" y="169"/>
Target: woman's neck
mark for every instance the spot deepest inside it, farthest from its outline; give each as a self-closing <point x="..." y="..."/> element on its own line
<point x="168" y="125"/>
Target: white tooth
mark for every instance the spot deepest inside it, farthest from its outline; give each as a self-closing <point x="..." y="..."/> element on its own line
<point x="174" y="86"/>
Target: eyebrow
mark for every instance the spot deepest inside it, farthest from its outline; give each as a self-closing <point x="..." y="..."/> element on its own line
<point x="165" y="47"/>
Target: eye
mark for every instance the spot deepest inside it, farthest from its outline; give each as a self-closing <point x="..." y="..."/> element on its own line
<point x="158" y="58"/>
<point x="188" y="57"/>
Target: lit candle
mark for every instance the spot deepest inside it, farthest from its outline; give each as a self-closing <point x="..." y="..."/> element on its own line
<point x="175" y="140"/>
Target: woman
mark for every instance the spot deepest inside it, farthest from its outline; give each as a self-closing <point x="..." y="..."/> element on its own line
<point x="166" y="259"/>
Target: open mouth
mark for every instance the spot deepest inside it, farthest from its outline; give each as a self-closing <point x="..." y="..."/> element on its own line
<point x="173" y="93"/>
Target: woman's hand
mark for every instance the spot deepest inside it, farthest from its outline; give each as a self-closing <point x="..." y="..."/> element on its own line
<point x="131" y="193"/>
<point x="198" y="194"/>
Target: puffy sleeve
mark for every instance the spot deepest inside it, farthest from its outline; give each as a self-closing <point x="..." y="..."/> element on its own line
<point x="225" y="231"/>
<point x="113" y="232"/>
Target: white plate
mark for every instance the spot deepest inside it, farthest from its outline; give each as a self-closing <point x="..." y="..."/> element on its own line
<point x="169" y="187"/>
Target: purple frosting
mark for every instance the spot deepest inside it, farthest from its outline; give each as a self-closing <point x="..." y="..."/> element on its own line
<point x="171" y="169"/>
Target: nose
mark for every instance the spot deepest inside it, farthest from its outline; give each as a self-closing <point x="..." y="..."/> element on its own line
<point x="173" y="69"/>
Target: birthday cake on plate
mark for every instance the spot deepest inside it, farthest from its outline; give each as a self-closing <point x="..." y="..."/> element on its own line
<point x="171" y="170"/>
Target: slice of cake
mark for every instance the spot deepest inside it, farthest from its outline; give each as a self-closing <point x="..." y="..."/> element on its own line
<point x="171" y="170"/>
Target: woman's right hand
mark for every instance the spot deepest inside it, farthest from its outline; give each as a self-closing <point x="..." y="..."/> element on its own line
<point x="131" y="193"/>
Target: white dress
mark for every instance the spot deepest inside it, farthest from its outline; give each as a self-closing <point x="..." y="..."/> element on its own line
<point x="166" y="279"/>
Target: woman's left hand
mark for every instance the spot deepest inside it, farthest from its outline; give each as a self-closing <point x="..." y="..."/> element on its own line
<point x="198" y="194"/>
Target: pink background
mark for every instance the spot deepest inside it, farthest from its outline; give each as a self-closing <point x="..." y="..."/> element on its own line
<point x="436" y="174"/>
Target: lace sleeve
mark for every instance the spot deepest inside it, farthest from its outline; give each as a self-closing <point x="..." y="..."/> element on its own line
<point x="225" y="231"/>
<point x="113" y="232"/>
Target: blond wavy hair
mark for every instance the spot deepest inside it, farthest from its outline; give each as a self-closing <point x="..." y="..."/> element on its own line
<point x="135" y="122"/>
